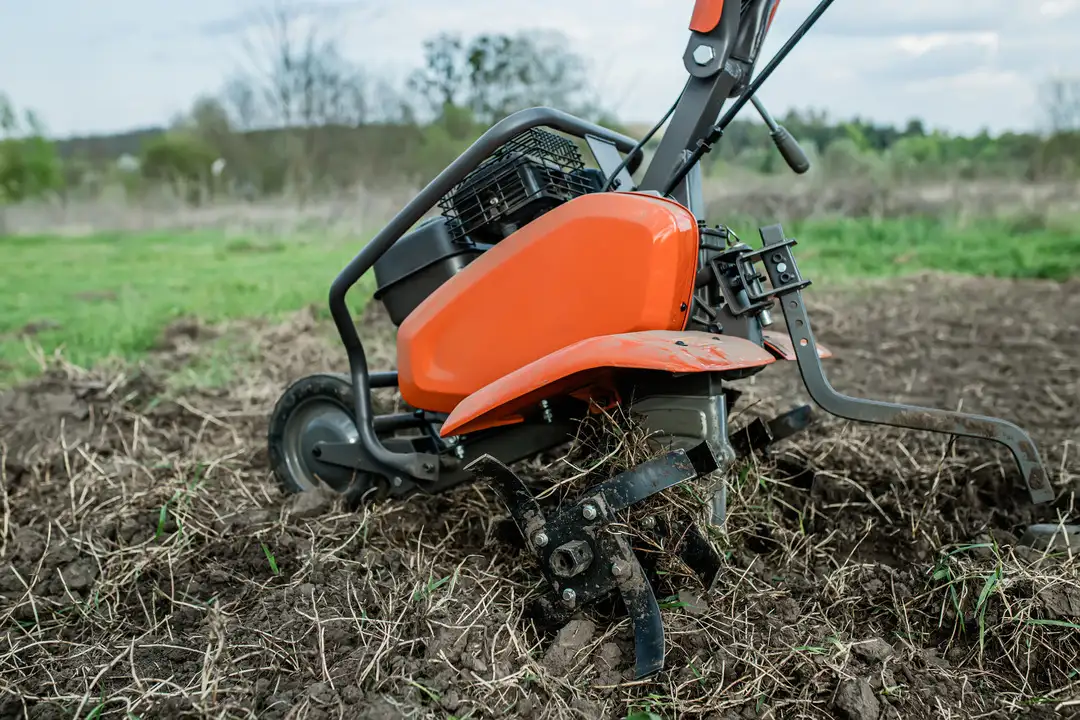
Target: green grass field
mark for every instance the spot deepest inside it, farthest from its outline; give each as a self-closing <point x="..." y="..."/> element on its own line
<point x="111" y="295"/>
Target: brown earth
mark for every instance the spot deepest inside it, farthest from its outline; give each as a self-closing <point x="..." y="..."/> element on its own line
<point x="149" y="567"/>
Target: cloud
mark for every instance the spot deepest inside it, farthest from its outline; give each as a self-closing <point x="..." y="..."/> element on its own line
<point x="121" y="63"/>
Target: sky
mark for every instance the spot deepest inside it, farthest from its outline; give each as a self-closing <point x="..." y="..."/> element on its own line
<point x="110" y="65"/>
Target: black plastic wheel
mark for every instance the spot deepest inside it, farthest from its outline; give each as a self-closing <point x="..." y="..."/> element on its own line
<point x="316" y="408"/>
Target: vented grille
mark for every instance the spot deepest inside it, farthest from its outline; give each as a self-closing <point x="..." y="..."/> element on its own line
<point x="523" y="179"/>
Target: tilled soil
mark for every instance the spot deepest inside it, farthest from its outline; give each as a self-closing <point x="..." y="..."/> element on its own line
<point x="150" y="567"/>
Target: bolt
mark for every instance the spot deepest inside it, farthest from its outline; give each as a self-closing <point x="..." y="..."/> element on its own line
<point x="428" y="467"/>
<point x="317" y="452"/>
<point x="619" y="569"/>
<point x="548" y="417"/>
<point x="459" y="451"/>
<point x="704" y="54"/>
<point x="396" y="482"/>
<point x="650" y="522"/>
<point x="589" y="512"/>
<point x="782" y="267"/>
<point x="540" y="539"/>
<point x="569" y="596"/>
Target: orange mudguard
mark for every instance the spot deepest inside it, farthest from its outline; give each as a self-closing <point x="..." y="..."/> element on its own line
<point x="582" y="364"/>
<point x="780" y="344"/>
<point x="601" y="264"/>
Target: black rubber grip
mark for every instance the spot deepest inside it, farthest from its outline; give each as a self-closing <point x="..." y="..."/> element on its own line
<point x="789" y="148"/>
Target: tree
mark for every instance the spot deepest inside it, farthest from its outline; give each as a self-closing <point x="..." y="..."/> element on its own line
<point x="29" y="164"/>
<point x="494" y="75"/>
<point x="182" y="161"/>
<point x="1060" y="98"/>
<point x="300" y="83"/>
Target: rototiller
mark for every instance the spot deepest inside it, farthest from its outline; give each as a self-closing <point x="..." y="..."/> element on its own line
<point x="546" y="289"/>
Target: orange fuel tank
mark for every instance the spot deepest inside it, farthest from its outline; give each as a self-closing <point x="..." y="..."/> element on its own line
<point x="600" y="264"/>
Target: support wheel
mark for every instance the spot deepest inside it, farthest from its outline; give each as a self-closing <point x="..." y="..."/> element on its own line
<point x="316" y="408"/>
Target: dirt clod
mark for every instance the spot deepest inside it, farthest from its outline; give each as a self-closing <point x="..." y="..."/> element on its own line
<point x="855" y="700"/>
<point x="572" y="638"/>
<point x="874" y="650"/>
<point x="310" y="504"/>
<point x="1062" y="601"/>
<point x="692" y="603"/>
<point x="80" y="574"/>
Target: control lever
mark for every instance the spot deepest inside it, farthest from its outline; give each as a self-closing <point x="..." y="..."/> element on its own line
<point x="785" y="141"/>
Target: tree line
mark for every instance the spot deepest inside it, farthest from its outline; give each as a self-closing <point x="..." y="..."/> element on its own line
<point x="305" y="120"/>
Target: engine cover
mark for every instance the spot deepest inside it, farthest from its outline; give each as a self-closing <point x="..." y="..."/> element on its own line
<point x="600" y="264"/>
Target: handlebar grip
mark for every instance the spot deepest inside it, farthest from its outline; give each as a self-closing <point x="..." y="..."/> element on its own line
<point x="789" y="147"/>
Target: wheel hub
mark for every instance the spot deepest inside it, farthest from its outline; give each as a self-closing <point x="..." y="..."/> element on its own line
<point x="316" y="409"/>
<point x="313" y="421"/>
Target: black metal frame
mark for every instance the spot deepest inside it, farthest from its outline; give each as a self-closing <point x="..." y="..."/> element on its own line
<point x="787" y="286"/>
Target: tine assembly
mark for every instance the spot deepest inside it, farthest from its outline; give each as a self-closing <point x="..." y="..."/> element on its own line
<point x="582" y="557"/>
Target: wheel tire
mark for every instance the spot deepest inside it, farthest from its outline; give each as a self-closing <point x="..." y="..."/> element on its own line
<point x="316" y="407"/>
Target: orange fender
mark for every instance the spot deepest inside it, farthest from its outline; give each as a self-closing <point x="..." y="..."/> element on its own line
<point x="584" y="364"/>
<point x="780" y="345"/>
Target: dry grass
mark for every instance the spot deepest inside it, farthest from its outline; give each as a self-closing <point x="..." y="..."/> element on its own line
<point x="734" y="192"/>
<point x="149" y="567"/>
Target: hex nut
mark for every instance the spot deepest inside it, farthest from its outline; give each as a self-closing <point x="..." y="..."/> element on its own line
<point x="570" y="559"/>
<point x="704" y="54"/>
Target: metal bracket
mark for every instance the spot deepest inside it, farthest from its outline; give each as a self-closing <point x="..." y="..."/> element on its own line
<point x="608" y="158"/>
<point x="758" y="434"/>
<point x="583" y="558"/>
<point x="785" y="277"/>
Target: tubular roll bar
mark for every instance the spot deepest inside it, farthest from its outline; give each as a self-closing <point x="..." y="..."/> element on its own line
<point x="415" y="464"/>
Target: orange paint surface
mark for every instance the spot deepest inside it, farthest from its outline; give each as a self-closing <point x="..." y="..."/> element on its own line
<point x="706" y="15"/>
<point x="583" y="364"/>
<point x="772" y="15"/>
<point x="602" y="264"/>
<point x="781" y="345"/>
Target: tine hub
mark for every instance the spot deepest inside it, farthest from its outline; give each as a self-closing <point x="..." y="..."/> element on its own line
<point x="582" y="562"/>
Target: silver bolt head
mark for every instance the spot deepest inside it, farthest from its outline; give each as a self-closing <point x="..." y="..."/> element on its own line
<point x="589" y="512"/>
<point x="704" y="54"/>
<point x="540" y="539"/>
<point x="648" y="523"/>
<point x="782" y="267"/>
<point x="569" y="596"/>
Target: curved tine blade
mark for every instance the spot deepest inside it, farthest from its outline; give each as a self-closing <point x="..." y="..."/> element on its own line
<point x="644" y="611"/>
<point x="646" y="479"/>
<point x="699" y="555"/>
<point x="516" y="494"/>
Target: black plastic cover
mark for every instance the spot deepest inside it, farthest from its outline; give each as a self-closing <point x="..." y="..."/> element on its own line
<point x="429" y="243"/>
<point x="417" y="264"/>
